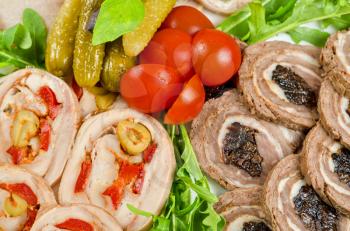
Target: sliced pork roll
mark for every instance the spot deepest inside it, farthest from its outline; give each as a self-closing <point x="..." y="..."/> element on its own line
<point x="326" y="166"/>
<point x="280" y="82"/>
<point x="22" y="194"/>
<point x="335" y="61"/>
<point x="334" y="112"/>
<point x="235" y="147"/>
<point x="293" y="205"/>
<point x="39" y="115"/>
<point x="242" y="210"/>
<point x="75" y="217"/>
<point x="120" y="157"/>
<point x="224" y="6"/>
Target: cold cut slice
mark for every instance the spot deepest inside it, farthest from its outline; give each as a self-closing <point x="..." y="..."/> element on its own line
<point x="335" y="61"/>
<point x="292" y="204"/>
<point x="39" y="116"/>
<point x="120" y="157"/>
<point x="242" y="210"/>
<point x="21" y="195"/>
<point x="236" y="148"/>
<point x="326" y="166"/>
<point x="75" y="217"/>
<point x="334" y="112"/>
<point x="224" y="6"/>
<point x="280" y="82"/>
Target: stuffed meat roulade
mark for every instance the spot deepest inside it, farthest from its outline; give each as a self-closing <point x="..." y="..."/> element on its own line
<point x="326" y="166"/>
<point x="120" y="157"/>
<point x="242" y="210"/>
<point x="280" y="82"/>
<point x="39" y="115"/>
<point x="76" y="217"/>
<point x="235" y="147"/>
<point x="335" y="61"/>
<point x="292" y="204"/>
<point x="22" y="194"/>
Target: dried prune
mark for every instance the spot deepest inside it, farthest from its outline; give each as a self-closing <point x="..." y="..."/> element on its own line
<point x="315" y="214"/>
<point x="215" y="92"/>
<point x="294" y="87"/>
<point x="240" y="149"/>
<point x="342" y="165"/>
<point x="255" y="226"/>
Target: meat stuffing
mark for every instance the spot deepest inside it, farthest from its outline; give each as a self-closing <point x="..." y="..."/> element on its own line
<point x="342" y="165"/>
<point x="255" y="226"/>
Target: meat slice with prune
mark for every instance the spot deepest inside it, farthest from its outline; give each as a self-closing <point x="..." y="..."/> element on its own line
<point x="292" y="204"/>
<point x="280" y="82"/>
<point x="242" y="210"/>
<point x="236" y="148"/>
<point x="334" y="112"/>
<point x="335" y="61"/>
<point x="326" y="166"/>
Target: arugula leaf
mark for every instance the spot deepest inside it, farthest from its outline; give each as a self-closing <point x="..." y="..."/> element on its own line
<point x="313" y="36"/>
<point x="117" y="17"/>
<point x="23" y="44"/>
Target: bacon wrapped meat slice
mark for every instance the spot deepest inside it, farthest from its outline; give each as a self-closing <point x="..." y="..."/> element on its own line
<point x="292" y="204"/>
<point x="39" y="115"/>
<point x="22" y="194"/>
<point x="242" y="210"/>
<point x="280" y="83"/>
<point x="120" y="157"/>
<point x="235" y="147"/>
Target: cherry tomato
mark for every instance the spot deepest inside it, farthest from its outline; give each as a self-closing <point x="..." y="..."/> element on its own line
<point x="188" y="19"/>
<point x="216" y="56"/>
<point x="189" y="104"/>
<point x="150" y="88"/>
<point x="172" y="48"/>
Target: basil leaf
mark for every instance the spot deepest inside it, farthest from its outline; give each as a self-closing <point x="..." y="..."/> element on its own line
<point x="116" y="18"/>
<point x="313" y="36"/>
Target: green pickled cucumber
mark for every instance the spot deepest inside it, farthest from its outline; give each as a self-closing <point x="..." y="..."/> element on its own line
<point x="60" y="42"/>
<point x="116" y="63"/>
<point x="88" y="59"/>
<point x="155" y="13"/>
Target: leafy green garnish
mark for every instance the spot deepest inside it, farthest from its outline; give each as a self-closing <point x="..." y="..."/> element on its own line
<point x="117" y="17"/>
<point x="261" y="20"/>
<point x="182" y="212"/>
<point x="23" y="44"/>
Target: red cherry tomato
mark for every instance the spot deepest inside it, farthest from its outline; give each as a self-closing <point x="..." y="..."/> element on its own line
<point x="188" y="19"/>
<point x="216" y="56"/>
<point x="150" y="88"/>
<point x="188" y="105"/>
<point x="172" y="48"/>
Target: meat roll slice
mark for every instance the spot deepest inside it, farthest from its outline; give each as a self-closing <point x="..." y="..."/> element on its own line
<point x="280" y="82"/>
<point x="326" y="166"/>
<point x="75" y="217"/>
<point x="120" y="157"/>
<point x="39" y="115"/>
<point x="334" y="112"/>
<point x="22" y="194"/>
<point x="335" y="61"/>
<point x="236" y="148"/>
<point x="294" y="205"/>
<point x="224" y="6"/>
<point x="242" y="210"/>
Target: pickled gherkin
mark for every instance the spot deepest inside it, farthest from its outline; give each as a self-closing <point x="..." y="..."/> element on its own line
<point x="155" y="13"/>
<point x="60" y="42"/>
<point x="88" y="59"/>
<point x="116" y="63"/>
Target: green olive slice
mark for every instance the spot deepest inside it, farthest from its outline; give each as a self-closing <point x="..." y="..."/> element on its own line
<point x="133" y="137"/>
<point x="15" y="205"/>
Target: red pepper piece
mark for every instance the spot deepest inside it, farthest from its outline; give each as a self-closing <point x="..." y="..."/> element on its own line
<point x="17" y="154"/>
<point x="75" y="225"/>
<point x="136" y="188"/>
<point x="45" y="134"/>
<point x="49" y="98"/>
<point x="84" y="174"/>
<point x="31" y="215"/>
<point x="77" y="89"/>
<point x="22" y="190"/>
<point x="149" y="152"/>
<point x="127" y="173"/>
